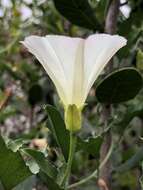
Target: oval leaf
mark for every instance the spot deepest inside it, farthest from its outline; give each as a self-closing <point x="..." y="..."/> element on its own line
<point x="119" y="86"/>
<point x="77" y="12"/>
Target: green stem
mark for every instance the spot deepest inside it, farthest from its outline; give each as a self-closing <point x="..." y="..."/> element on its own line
<point x="70" y="158"/>
<point x="94" y="174"/>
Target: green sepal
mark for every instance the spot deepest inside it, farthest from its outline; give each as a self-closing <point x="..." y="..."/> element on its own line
<point x="73" y="118"/>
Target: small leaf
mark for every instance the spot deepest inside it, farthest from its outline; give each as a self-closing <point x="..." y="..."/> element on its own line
<point x="12" y="167"/>
<point x="78" y="12"/>
<point x="44" y="164"/>
<point x="15" y="145"/>
<point x="91" y="146"/>
<point x="119" y="86"/>
<point x="33" y="166"/>
<point x="57" y="127"/>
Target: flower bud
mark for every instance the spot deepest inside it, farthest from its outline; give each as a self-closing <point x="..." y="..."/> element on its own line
<point x="73" y="118"/>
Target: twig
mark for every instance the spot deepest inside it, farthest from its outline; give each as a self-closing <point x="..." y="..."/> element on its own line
<point x="122" y="4"/>
<point x="105" y="172"/>
<point x="111" y="18"/>
<point x="8" y="93"/>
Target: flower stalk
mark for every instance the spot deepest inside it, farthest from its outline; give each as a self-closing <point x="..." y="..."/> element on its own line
<point x="72" y="148"/>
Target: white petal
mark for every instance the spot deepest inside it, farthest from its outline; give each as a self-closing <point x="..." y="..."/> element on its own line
<point x="69" y="52"/>
<point x="98" y="50"/>
<point x="78" y="76"/>
<point x="57" y="54"/>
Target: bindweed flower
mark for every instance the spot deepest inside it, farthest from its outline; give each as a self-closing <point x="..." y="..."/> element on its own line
<point x="73" y="65"/>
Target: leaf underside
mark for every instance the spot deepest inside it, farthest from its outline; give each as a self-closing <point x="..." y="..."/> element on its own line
<point x="78" y="12"/>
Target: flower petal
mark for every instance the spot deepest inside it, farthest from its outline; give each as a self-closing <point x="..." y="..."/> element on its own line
<point x="78" y="76"/>
<point x="70" y="53"/>
<point x="98" y="50"/>
<point x="57" y="54"/>
<point x="42" y="50"/>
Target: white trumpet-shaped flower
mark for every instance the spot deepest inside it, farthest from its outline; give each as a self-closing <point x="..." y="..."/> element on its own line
<point x="73" y="64"/>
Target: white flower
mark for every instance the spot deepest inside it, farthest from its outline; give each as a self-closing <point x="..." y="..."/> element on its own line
<point x="73" y="64"/>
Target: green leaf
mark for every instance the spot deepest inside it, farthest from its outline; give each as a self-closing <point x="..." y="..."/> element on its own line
<point x="90" y="146"/>
<point x="44" y="164"/>
<point x="15" y="145"/>
<point x="48" y="172"/>
<point x="57" y="127"/>
<point x="78" y="12"/>
<point x="119" y="86"/>
<point x="49" y="182"/>
<point x="33" y="166"/>
<point x="12" y="167"/>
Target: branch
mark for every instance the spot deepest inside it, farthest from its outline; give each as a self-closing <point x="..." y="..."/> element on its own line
<point x="104" y="181"/>
<point x="112" y="16"/>
<point x="8" y="93"/>
<point x="122" y="4"/>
